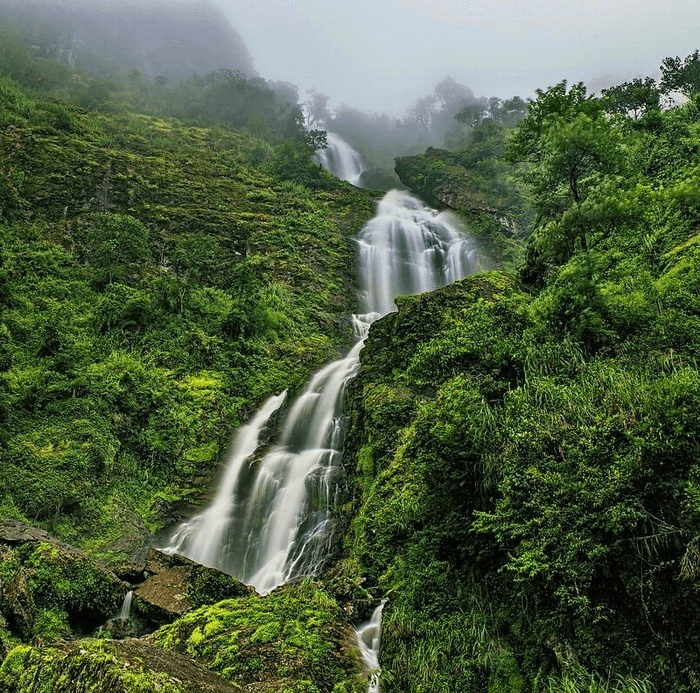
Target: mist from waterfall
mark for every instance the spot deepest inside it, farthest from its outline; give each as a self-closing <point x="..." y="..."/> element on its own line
<point x="273" y="518"/>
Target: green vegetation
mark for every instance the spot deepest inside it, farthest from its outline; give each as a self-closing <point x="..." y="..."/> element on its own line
<point x="93" y="666"/>
<point x="159" y="278"/>
<point x="50" y="592"/>
<point x="524" y="448"/>
<point x="158" y="281"/>
<point x="292" y="639"/>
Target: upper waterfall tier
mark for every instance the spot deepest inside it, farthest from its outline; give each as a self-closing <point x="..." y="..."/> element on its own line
<point x="408" y="248"/>
<point x="340" y="159"/>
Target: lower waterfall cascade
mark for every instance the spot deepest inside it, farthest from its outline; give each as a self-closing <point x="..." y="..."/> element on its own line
<point x="368" y="639"/>
<point x="272" y="518"/>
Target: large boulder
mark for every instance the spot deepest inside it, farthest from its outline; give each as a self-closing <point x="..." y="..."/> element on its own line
<point x="49" y="589"/>
<point x="174" y="584"/>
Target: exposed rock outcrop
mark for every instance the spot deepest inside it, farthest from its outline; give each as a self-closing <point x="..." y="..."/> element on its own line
<point x="175" y="584"/>
<point x="439" y="178"/>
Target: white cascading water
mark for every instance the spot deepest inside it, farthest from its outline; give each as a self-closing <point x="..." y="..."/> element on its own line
<point x="273" y="517"/>
<point x="340" y="159"/>
<point x="208" y="538"/>
<point x="368" y="639"/>
<point x="408" y="248"/>
<point x="125" y="611"/>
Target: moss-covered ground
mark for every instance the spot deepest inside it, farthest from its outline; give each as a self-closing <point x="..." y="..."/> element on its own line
<point x="291" y="641"/>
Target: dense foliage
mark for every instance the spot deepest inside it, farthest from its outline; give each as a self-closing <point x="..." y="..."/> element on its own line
<point x="524" y="449"/>
<point x="157" y="281"/>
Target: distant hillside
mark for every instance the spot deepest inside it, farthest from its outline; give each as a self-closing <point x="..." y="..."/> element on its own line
<point x="156" y="37"/>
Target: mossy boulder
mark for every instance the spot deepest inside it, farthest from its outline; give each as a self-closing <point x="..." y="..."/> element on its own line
<point x="295" y="640"/>
<point x="100" y="666"/>
<point x="50" y="590"/>
<point x="175" y="585"/>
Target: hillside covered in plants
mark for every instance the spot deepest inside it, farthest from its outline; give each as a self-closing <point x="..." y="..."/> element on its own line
<point x="522" y="458"/>
<point x="525" y="446"/>
<point x="160" y="277"/>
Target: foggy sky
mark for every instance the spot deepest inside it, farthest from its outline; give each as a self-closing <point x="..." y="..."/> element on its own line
<point x="380" y="55"/>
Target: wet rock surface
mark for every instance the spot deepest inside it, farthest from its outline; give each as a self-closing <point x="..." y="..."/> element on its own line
<point x="174" y="584"/>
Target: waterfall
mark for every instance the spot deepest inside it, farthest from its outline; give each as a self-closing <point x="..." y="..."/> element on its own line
<point x="368" y="639"/>
<point x="340" y="159"/>
<point x="210" y="536"/>
<point x="273" y="518"/>
<point x="408" y="248"/>
<point x="125" y="611"/>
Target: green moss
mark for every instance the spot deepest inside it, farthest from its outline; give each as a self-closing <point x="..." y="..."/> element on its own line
<point x="75" y="582"/>
<point x="292" y="635"/>
<point x="93" y="667"/>
<point x="50" y="625"/>
<point x="210" y="586"/>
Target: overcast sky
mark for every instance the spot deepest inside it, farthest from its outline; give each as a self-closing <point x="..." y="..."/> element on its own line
<point x="380" y="55"/>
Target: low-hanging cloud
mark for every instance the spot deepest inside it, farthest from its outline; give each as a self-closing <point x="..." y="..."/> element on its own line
<point x="379" y="55"/>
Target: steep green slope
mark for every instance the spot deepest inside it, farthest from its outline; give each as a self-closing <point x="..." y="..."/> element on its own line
<point x="524" y="451"/>
<point x="156" y="285"/>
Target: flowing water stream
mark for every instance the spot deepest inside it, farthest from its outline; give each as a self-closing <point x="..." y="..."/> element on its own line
<point x="125" y="611"/>
<point x="273" y="517"/>
<point x="340" y="159"/>
<point x="368" y="640"/>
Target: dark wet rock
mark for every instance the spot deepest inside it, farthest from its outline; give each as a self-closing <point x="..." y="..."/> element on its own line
<point x="120" y="628"/>
<point x="175" y="584"/>
<point x="13" y="532"/>
<point x="130" y="572"/>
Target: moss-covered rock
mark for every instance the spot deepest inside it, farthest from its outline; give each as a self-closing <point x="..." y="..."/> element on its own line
<point x="174" y="585"/>
<point x="99" y="666"/>
<point x="49" y="590"/>
<point x="490" y="202"/>
<point x="295" y="639"/>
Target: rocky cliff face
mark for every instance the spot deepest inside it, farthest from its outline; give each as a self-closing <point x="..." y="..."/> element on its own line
<point x="439" y="178"/>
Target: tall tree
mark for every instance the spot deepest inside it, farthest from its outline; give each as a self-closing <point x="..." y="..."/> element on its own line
<point x="681" y="75"/>
<point x="636" y="97"/>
